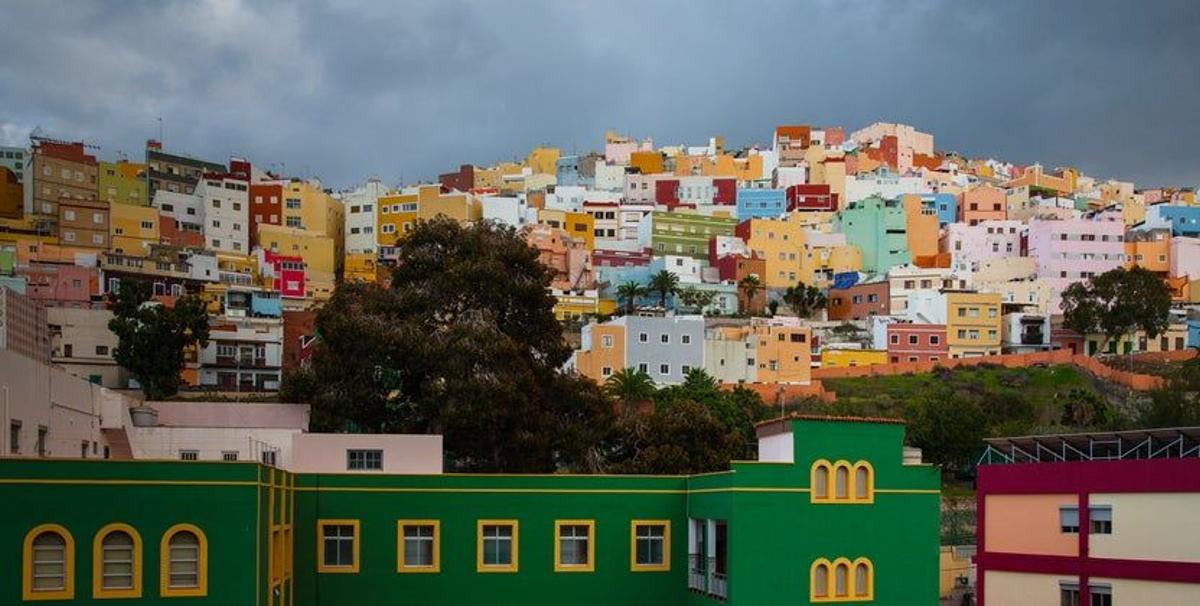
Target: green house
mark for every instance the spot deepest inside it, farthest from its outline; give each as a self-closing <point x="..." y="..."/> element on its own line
<point x="686" y="234"/>
<point x="832" y="512"/>
<point x="879" y="228"/>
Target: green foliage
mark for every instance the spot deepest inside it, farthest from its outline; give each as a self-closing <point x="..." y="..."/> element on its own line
<point x="750" y="287"/>
<point x="694" y="298"/>
<point x="1118" y="302"/>
<point x="152" y="337"/>
<point x="630" y="386"/>
<point x="1176" y="404"/>
<point x="947" y="427"/>
<point x="451" y="349"/>
<point x="665" y="284"/>
<point x="682" y="438"/>
<point x="804" y="300"/>
<point x="629" y="293"/>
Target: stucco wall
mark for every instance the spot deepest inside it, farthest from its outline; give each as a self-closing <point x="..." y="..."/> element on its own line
<point x="1148" y="526"/>
<point x="1022" y="589"/>
<point x="1028" y="524"/>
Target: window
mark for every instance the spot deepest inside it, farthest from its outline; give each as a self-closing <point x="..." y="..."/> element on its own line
<point x="497" y="543"/>
<point x="69" y="215"/>
<point x="117" y="562"/>
<point x="184" y="562"/>
<point x="664" y="369"/>
<point x="574" y="549"/>
<point x="852" y="482"/>
<point x="685" y="339"/>
<point x="1068" y="594"/>
<point x="650" y="546"/>
<point x="912" y="339"/>
<point x="229" y="455"/>
<point x="606" y="371"/>
<point x="1068" y="519"/>
<point x="851" y="580"/>
<point x="49" y="564"/>
<point x="643" y="368"/>
<point x="934" y="339"/>
<point x="606" y="341"/>
<point x="364" y="459"/>
<point x="643" y="338"/>
<point x="1101" y="595"/>
<point x="864" y="482"/>
<point x="1100" y="518"/>
<point x="189" y="455"/>
<point x="338" y="549"/>
<point x="895" y="339"/>
<point x="102" y="350"/>
<point x="420" y="548"/>
<point x="664" y="338"/>
<point x="98" y="218"/>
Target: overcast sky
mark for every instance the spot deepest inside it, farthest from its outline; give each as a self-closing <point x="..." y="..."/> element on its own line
<point x="346" y="89"/>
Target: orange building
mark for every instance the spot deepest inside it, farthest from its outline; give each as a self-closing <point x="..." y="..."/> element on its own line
<point x="1149" y="249"/>
<point x="922" y="223"/>
<point x="985" y="203"/>
<point x="647" y="162"/>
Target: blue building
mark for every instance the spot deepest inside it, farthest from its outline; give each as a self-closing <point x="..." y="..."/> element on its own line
<point x="946" y="206"/>
<point x="1183" y="220"/>
<point x="1193" y="335"/>
<point x="567" y="171"/>
<point x="760" y="203"/>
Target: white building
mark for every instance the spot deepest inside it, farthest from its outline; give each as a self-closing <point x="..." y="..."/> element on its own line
<point x="243" y="354"/>
<point x="886" y="185"/>
<point x="360" y="205"/>
<point x="224" y="202"/>
<point x="507" y="210"/>
<point x="184" y="208"/>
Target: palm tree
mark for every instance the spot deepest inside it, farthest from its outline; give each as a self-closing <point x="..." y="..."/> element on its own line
<point x="629" y="292"/>
<point x="665" y="284"/>
<point x="630" y="386"/>
<point x="750" y="285"/>
<point x="699" y="379"/>
<point x="803" y="299"/>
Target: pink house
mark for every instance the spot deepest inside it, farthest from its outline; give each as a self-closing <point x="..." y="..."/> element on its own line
<point x="908" y="342"/>
<point x="970" y="245"/>
<point x="61" y="285"/>
<point x="1074" y="250"/>
<point x="982" y="204"/>
<point x="287" y="273"/>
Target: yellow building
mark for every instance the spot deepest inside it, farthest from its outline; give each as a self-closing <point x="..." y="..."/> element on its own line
<point x="973" y="324"/>
<point x="308" y="207"/>
<point x="783" y="353"/>
<point x="780" y="243"/>
<point x="647" y="162"/>
<point x="845" y="358"/>
<point x="122" y="182"/>
<point x="603" y="352"/>
<point x="576" y="306"/>
<point x="399" y="212"/>
<point x="543" y="160"/>
<point x="826" y="254"/>
<point x="133" y="229"/>
<point x="361" y="267"/>
<point x="581" y="226"/>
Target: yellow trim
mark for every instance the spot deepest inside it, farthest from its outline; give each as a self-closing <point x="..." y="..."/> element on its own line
<point x="129" y="482"/>
<point x="826" y="467"/>
<point x="321" y="566"/>
<point x="479" y="565"/>
<point x="831" y="580"/>
<point x="870" y="496"/>
<point x="68" y="591"/>
<point x="98" y="590"/>
<point x="852" y="497"/>
<point x="591" y="557"/>
<point x="666" y="563"/>
<point x="492" y="490"/>
<point x="403" y="567"/>
<point x="164" y="569"/>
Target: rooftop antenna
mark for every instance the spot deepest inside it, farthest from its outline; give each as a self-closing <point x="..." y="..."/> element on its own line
<point x="160" y="129"/>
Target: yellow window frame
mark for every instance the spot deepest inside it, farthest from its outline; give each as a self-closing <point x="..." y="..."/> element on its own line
<point x="28" y="594"/>
<point x="831" y="581"/>
<point x="322" y="568"/>
<point x="98" y="590"/>
<point x="512" y="567"/>
<point x="591" y="563"/>
<point x="164" y="569"/>
<point x="404" y="567"/>
<point x="830" y="470"/>
<point x="666" y="563"/>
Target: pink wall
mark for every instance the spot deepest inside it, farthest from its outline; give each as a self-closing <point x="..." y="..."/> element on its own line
<point x="402" y="453"/>
<point x="1029" y="524"/>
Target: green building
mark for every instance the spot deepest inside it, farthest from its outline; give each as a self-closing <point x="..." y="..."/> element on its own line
<point x="831" y="512"/>
<point x="686" y="234"/>
<point x="879" y="228"/>
<point x="123" y="183"/>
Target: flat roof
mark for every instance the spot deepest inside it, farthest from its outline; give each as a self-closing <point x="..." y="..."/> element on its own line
<point x="1158" y="443"/>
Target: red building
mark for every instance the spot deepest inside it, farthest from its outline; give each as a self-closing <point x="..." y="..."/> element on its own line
<point x="726" y="192"/>
<point x="811" y="197"/>
<point x="462" y="180"/>
<point x="173" y="235"/>
<point x="622" y="258"/>
<point x="860" y="301"/>
<point x="266" y="207"/>
<point x="908" y="342"/>
<point x="1095" y="519"/>
<point x="287" y="273"/>
<point x="61" y="285"/>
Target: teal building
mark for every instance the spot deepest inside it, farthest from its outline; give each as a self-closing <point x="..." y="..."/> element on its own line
<point x="879" y="228"/>
<point x="831" y="512"/>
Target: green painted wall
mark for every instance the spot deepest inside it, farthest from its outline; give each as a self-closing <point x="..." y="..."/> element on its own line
<point x="687" y="234"/>
<point x="774" y="532"/>
<point x="879" y="228"/>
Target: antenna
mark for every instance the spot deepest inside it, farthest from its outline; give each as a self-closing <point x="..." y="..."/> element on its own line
<point x="160" y="129"/>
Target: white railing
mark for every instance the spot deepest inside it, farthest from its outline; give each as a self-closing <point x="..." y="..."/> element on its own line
<point x="718" y="585"/>
<point x="696" y="573"/>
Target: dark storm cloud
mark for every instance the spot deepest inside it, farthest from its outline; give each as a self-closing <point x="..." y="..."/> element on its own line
<point x="348" y="89"/>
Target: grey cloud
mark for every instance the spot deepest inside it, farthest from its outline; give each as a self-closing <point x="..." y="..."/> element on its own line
<point x="345" y="90"/>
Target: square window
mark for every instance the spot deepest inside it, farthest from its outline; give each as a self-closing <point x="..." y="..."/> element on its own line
<point x="339" y="546"/>
<point x="497" y="548"/>
<point x="664" y="369"/>
<point x="574" y="549"/>
<point x="1100" y="517"/>
<point x="420" y="546"/>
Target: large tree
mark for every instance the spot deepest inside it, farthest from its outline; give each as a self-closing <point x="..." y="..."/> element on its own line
<point x="1118" y="302"/>
<point x="629" y="293"/>
<point x="464" y="343"/>
<point x="948" y="428"/>
<point x="803" y="299"/>
<point x="665" y="283"/>
<point x="749" y="287"/>
<point x="152" y="336"/>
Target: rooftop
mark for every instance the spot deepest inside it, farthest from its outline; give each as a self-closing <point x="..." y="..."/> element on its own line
<point x="1164" y="443"/>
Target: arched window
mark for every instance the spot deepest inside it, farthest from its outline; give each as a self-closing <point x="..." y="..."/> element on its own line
<point x="820" y="579"/>
<point x="864" y="482"/>
<point x="863" y="579"/>
<point x="841" y="580"/>
<point x="49" y="564"/>
<point x="841" y="482"/>
<point x="820" y="480"/>
<point x="184" y="562"/>
<point x="117" y="562"/>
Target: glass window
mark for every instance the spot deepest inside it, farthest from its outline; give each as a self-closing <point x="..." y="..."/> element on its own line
<point x="419" y="546"/>
<point x="497" y="549"/>
<point x="185" y="568"/>
<point x="1101" y="519"/>
<point x="573" y="542"/>
<point x="862" y="482"/>
<point x="1068" y="519"/>
<point x="820" y="581"/>
<point x="49" y="564"/>
<point x="842" y="483"/>
<point x="841" y="580"/>
<point x="1068" y="594"/>
<point x="364" y="459"/>
<point x="651" y="545"/>
<point x="117" y="562"/>
<point x="339" y="545"/>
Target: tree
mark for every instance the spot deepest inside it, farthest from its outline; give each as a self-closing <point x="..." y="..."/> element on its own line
<point x="684" y="437"/>
<point x="630" y="386"/>
<point x="694" y="298"/>
<point x="804" y="299"/>
<point x="629" y="293"/>
<point x="665" y="284"/>
<point x="948" y="428"/>
<point x="1118" y="302"/>
<point x="152" y="337"/>
<point x="450" y="348"/>
<point x="749" y="286"/>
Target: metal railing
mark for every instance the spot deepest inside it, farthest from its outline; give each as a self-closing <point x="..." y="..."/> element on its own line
<point x="703" y="576"/>
<point x="697" y="575"/>
<point x="718" y="584"/>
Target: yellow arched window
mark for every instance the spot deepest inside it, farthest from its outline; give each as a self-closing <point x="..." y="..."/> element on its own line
<point x="49" y="564"/>
<point x="864" y="481"/>
<point x="117" y="562"/>
<point x="821" y="471"/>
<point x="819" y="580"/>
<point x="842" y="580"/>
<point x="841" y="480"/>
<point x="183" y="562"/>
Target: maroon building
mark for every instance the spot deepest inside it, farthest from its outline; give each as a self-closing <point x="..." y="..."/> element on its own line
<point x="811" y="197"/>
<point x="908" y="342"/>
<point x="462" y="180"/>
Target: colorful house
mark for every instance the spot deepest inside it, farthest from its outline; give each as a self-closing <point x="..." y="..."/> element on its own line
<point x="779" y="243"/>
<point x="878" y="228"/>
<point x="757" y="533"/>
<point x="123" y="182"/>
<point x="849" y="357"/>
<point x="760" y="203"/>
<point x="683" y="233"/>
<point x="912" y="342"/>
<point x="1097" y="518"/>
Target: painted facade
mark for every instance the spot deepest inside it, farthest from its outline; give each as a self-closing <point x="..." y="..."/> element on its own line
<point x="877" y="227"/>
